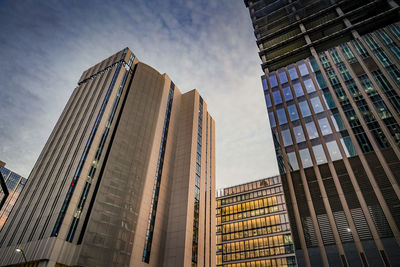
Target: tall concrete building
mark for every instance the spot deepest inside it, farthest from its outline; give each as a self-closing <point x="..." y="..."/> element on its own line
<point x="331" y="86"/>
<point x="14" y="183"/>
<point x="126" y="178"/>
<point x="253" y="226"/>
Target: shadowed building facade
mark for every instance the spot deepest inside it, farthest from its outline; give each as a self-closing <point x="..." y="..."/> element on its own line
<point x="13" y="185"/>
<point x="126" y="178"/>
<point x="253" y="225"/>
<point x="331" y="86"/>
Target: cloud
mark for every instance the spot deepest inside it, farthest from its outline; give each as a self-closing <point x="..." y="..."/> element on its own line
<point x="207" y="45"/>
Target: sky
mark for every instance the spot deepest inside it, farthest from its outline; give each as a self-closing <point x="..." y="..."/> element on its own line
<point x="45" y="45"/>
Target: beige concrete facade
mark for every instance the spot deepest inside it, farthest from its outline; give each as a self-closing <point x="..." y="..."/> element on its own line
<point x="115" y="183"/>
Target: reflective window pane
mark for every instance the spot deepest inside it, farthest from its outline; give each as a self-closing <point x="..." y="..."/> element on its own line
<point x="328" y="100"/>
<point x="298" y="90"/>
<point x="334" y="151"/>
<point x="293" y="73"/>
<point x="338" y="122"/>
<point x="305" y="158"/>
<point x="311" y="130"/>
<point x="293" y="112"/>
<point x="268" y="100"/>
<point x="282" y="77"/>
<point x="264" y="83"/>
<point x="277" y="97"/>
<point x="319" y="154"/>
<point x="272" y="80"/>
<point x="348" y="146"/>
<point x="303" y="69"/>
<point x="271" y="119"/>
<point x="316" y="104"/>
<point x="287" y="139"/>
<point x="309" y="85"/>
<point x="305" y="110"/>
<point x="281" y="116"/>
<point x="293" y="160"/>
<point x="324" y="125"/>
<point x="287" y="93"/>
<point x="299" y="135"/>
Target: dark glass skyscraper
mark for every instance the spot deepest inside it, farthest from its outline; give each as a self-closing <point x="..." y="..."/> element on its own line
<point x="331" y="85"/>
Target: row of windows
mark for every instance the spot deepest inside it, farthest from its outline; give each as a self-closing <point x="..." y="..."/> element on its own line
<point x="278" y="262"/>
<point x="257" y="243"/>
<point x="251" y="205"/>
<point x="250" y="214"/>
<point x="266" y="230"/>
<point x="259" y="193"/>
<point x="253" y="224"/>
<point x="293" y="75"/>
<point x="248" y="187"/>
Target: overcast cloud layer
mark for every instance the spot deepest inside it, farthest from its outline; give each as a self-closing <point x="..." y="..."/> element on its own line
<point x="204" y="44"/>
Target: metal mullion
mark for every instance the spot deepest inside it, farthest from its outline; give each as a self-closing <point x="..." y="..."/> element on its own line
<point x="368" y="171"/>
<point x="299" y="224"/>
<point x="391" y="35"/>
<point x="332" y="169"/>
<point x="384" y="47"/>
<point x="377" y="87"/>
<point x="303" y="178"/>
<point x="371" y="106"/>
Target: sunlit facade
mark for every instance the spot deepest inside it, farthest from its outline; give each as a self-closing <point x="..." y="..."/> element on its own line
<point x="14" y="183"/>
<point x="331" y="85"/>
<point x="253" y="226"/>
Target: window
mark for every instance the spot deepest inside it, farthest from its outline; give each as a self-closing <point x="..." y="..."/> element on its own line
<point x="334" y="151"/>
<point x="298" y="90"/>
<point x="268" y="100"/>
<point x="338" y="122"/>
<point x="293" y="112"/>
<point x="293" y="73"/>
<point x="271" y="119"/>
<point x="281" y="116"/>
<point x="311" y="130"/>
<point x="324" y="126"/>
<point x="319" y="154"/>
<point x="287" y="93"/>
<point x="299" y="134"/>
<point x="309" y="85"/>
<point x="287" y="139"/>
<point x="316" y="104"/>
<point x="305" y="158"/>
<point x="264" y="83"/>
<point x="277" y="97"/>
<point x="303" y="69"/>
<point x="348" y="147"/>
<point x="272" y="80"/>
<point x="305" y="110"/>
<point x="328" y="100"/>
<point x="282" y="77"/>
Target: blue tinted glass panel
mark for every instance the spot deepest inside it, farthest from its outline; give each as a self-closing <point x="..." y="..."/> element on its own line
<point x="303" y="69"/>
<point x="281" y="116"/>
<point x="277" y="97"/>
<point x="287" y="139"/>
<point x="334" y="151"/>
<point x="305" y="110"/>
<point x="264" y="83"/>
<point x="268" y="100"/>
<point x="305" y="158"/>
<point x="311" y="130"/>
<point x="272" y="80"/>
<point x="298" y="90"/>
<point x="348" y="146"/>
<point x="298" y="134"/>
<point x="338" y="122"/>
<point x="293" y="112"/>
<point x="324" y="125"/>
<point x="316" y="104"/>
<point x="282" y="77"/>
<point x="271" y="119"/>
<point x="287" y="93"/>
<point x="309" y="85"/>
<point x="293" y="161"/>
<point x="319" y="154"/>
<point x="329" y="100"/>
<point x="293" y="73"/>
